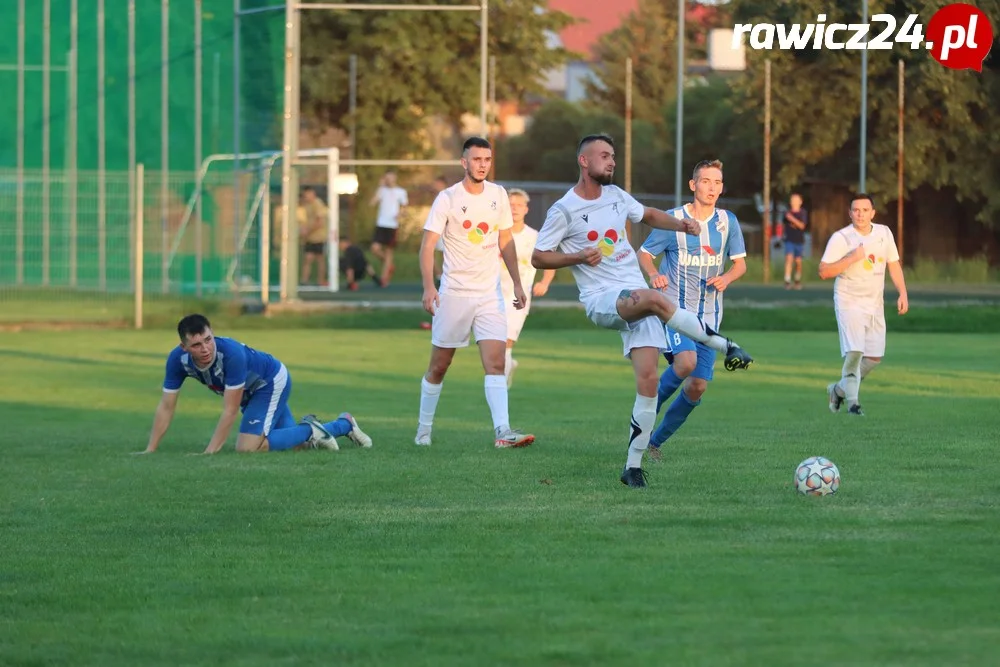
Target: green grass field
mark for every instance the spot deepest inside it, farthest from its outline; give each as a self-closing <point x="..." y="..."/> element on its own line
<point x="464" y="555"/>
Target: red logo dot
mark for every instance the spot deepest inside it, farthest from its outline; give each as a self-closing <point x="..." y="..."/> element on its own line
<point x="591" y="235"/>
<point x="466" y="224"/>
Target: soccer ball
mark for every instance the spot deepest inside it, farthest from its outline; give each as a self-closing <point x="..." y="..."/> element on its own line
<point x="817" y="476"/>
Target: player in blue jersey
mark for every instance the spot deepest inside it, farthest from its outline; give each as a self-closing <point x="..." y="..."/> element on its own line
<point x="250" y="381"/>
<point x="693" y="274"/>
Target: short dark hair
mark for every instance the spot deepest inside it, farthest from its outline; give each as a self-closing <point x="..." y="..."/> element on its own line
<point x="591" y="138"/>
<point x="863" y="195"/>
<point x="192" y="325"/>
<point x="307" y="188"/>
<point x="477" y="142"/>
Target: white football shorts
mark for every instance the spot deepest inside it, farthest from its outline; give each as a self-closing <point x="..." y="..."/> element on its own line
<point x="861" y="331"/>
<point x="458" y="316"/>
<point x="515" y="317"/>
<point x="602" y="309"/>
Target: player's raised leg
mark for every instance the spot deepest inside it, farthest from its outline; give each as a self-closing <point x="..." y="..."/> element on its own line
<point x="634" y="304"/>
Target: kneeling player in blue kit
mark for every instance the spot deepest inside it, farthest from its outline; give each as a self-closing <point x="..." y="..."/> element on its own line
<point x="250" y="381"/>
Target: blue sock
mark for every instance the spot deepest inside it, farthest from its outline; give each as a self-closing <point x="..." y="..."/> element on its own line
<point x="338" y="428"/>
<point x="668" y="385"/>
<point x="676" y="415"/>
<point x="286" y="438"/>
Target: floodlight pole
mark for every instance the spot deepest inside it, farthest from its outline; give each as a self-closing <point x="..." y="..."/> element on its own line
<point x="290" y="148"/>
<point x="862" y="176"/>
<point x="679" y="130"/>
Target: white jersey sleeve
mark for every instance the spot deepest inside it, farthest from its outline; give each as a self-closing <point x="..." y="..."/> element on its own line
<point x="437" y="218"/>
<point x="634" y="210"/>
<point x="554" y="228"/>
<point x="836" y="248"/>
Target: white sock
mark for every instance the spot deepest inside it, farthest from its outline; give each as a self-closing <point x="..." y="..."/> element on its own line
<point x="692" y="327"/>
<point x="643" y="419"/>
<point x="496" y="396"/>
<point x="429" y="396"/>
<point x="508" y="364"/>
<point x="851" y="378"/>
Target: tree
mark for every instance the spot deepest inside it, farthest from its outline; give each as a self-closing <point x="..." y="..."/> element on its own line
<point x="648" y="36"/>
<point x="414" y="65"/>
<point x="547" y="150"/>
<point x="952" y="131"/>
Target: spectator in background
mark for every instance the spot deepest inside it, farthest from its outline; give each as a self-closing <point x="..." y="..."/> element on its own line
<point x="300" y="220"/>
<point x="390" y="199"/>
<point x="796" y="223"/>
<point x="313" y="233"/>
<point x="354" y="264"/>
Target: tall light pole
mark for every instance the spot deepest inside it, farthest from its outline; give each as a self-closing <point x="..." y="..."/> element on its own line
<point x="679" y="136"/>
<point x="862" y="176"/>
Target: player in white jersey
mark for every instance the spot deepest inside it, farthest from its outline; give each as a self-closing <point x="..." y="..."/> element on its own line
<point x="524" y="240"/>
<point x="585" y="230"/>
<point x="857" y="256"/>
<point x="473" y="218"/>
<point x="693" y="274"/>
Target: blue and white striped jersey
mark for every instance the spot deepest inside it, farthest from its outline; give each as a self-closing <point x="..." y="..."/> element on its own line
<point x="689" y="261"/>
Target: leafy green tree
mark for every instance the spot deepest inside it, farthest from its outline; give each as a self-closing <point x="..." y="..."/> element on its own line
<point x="414" y="65"/>
<point x="648" y="36"/>
<point x="547" y="150"/>
<point x="952" y="131"/>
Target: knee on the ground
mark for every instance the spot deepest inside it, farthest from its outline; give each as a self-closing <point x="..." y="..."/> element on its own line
<point x="248" y="443"/>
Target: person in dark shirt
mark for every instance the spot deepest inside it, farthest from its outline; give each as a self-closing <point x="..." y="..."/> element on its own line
<point x="796" y="224"/>
<point x="354" y="264"/>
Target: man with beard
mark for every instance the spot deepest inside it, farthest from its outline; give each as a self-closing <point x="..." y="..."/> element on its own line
<point x="585" y="230"/>
<point x="473" y="218"/>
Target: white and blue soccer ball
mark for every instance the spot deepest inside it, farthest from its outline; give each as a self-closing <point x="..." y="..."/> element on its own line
<point x="817" y="476"/>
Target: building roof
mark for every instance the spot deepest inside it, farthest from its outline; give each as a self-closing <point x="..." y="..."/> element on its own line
<point x="595" y="18"/>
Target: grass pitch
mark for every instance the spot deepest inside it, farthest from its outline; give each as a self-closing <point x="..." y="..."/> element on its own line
<point x="463" y="555"/>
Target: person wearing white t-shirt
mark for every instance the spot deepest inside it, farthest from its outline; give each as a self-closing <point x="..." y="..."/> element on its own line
<point x="524" y="240"/>
<point x="585" y="230"/>
<point x="390" y="199"/>
<point x="858" y="256"/>
<point x="473" y="219"/>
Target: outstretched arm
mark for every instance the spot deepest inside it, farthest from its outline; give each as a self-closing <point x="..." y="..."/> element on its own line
<point x="657" y="219"/>
<point x="161" y="420"/>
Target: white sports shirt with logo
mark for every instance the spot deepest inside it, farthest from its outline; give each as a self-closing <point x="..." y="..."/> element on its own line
<point x="390" y="201"/>
<point x="469" y="226"/>
<point x="574" y="224"/>
<point x="862" y="285"/>
<point x="524" y="242"/>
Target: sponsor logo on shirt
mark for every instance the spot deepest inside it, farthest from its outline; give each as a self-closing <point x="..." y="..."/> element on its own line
<point x="685" y="258"/>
